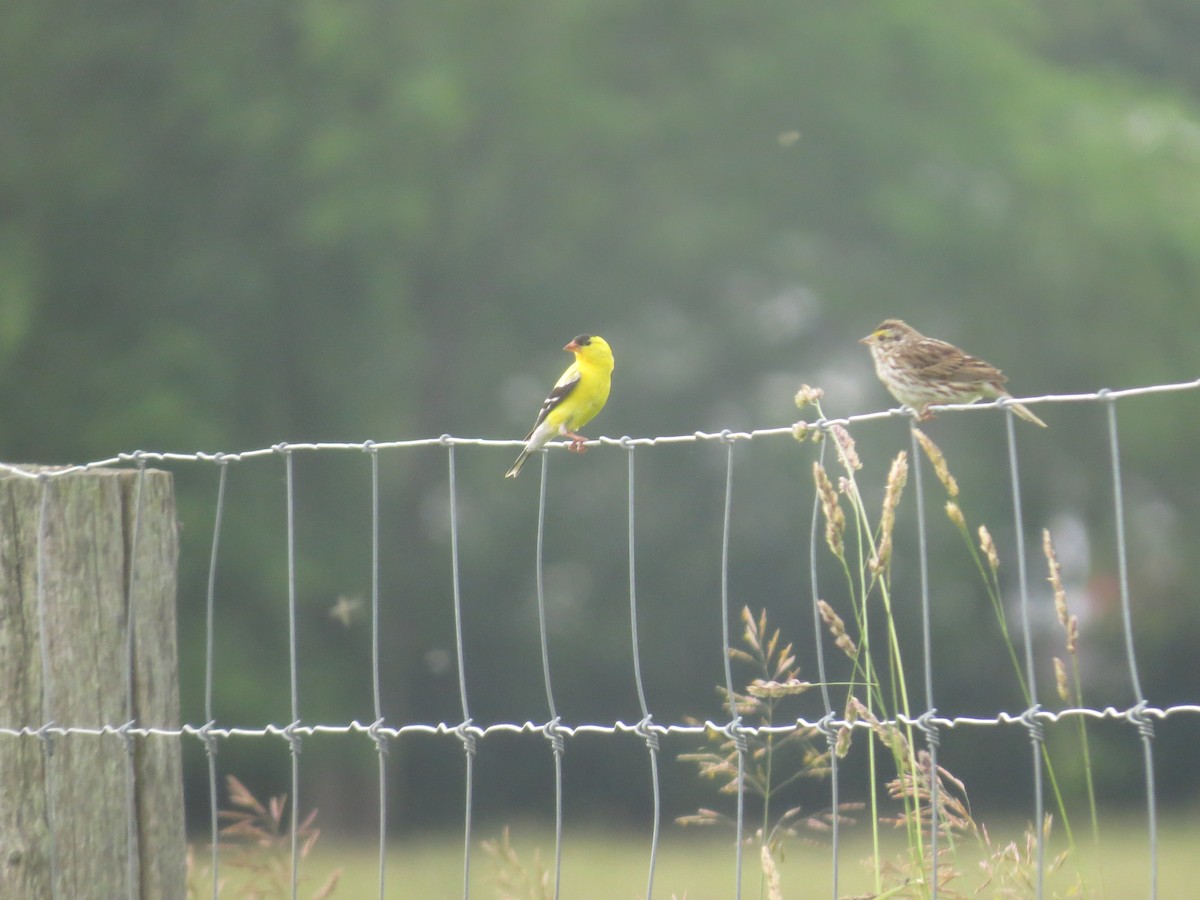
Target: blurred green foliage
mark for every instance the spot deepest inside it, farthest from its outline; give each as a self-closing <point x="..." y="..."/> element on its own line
<point x="225" y="225"/>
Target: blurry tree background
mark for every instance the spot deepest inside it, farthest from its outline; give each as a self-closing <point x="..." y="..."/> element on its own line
<point x="229" y="224"/>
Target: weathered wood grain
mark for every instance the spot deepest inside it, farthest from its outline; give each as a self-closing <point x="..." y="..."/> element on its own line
<point x="104" y="569"/>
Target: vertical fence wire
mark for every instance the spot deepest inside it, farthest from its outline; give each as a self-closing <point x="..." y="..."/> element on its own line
<point x="47" y="685"/>
<point x="1032" y="723"/>
<point x="381" y="741"/>
<point x="210" y="742"/>
<point x="1144" y="724"/>
<point x="465" y="735"/>
<point x="822" y="676"/>
<point x="293" y="738"/>
<point x="925" y="721"/>
<point x="131" y="832"/>
<point x="553" y="733"/>
<point x="734" y="729"/>
<point x="645" y="727"/>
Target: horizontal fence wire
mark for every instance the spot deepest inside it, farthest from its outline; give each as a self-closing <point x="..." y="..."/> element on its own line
<point x="1135" y="715"/>
<point x="1141" y="715"/>
<point x="445" y="440"/>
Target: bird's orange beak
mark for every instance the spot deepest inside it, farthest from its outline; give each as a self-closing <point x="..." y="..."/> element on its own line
<point x="573" y="347"/>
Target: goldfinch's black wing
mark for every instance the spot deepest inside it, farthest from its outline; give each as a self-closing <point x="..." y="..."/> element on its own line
<point x="557" y="395"/>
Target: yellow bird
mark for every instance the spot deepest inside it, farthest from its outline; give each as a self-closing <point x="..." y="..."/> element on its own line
<point x="577" y="396"/>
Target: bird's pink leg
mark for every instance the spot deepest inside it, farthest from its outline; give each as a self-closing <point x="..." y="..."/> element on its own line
<point x="577" y="444"/>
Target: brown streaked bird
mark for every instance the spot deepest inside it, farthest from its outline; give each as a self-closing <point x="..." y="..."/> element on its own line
<point x="919" y="371"/>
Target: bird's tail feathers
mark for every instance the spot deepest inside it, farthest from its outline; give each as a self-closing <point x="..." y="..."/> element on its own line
<point x="516" y="467"/>
<point x="1026" y="414"/>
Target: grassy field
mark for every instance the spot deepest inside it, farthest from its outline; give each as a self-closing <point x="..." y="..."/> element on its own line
<point x="700" y="866"/>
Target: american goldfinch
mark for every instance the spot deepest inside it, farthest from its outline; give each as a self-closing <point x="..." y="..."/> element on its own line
<point x="920" y="370"/>
<point x="577" y="396"/>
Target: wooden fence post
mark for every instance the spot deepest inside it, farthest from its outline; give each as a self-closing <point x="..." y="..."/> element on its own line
<point x="89" y="815"/>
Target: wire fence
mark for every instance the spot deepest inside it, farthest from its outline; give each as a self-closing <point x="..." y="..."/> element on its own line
<point x="1140" y="716"/>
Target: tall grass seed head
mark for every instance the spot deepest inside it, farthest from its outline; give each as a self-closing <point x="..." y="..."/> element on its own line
<point x="1055" y="579"/>
<point x="955" y="515"/>
<point x="808" y="396"/>
<point x="897" y="478"/>
<point x="845" y="445"/>
<point x="1060" y="680"/>
<point x="878" y="560"/>
<point x="988" y="546"/>
<point x="837" y="628"/>
<point x="938" y="460"/>
<point x="841" y="746"/>
<point x="835" y="519"/>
